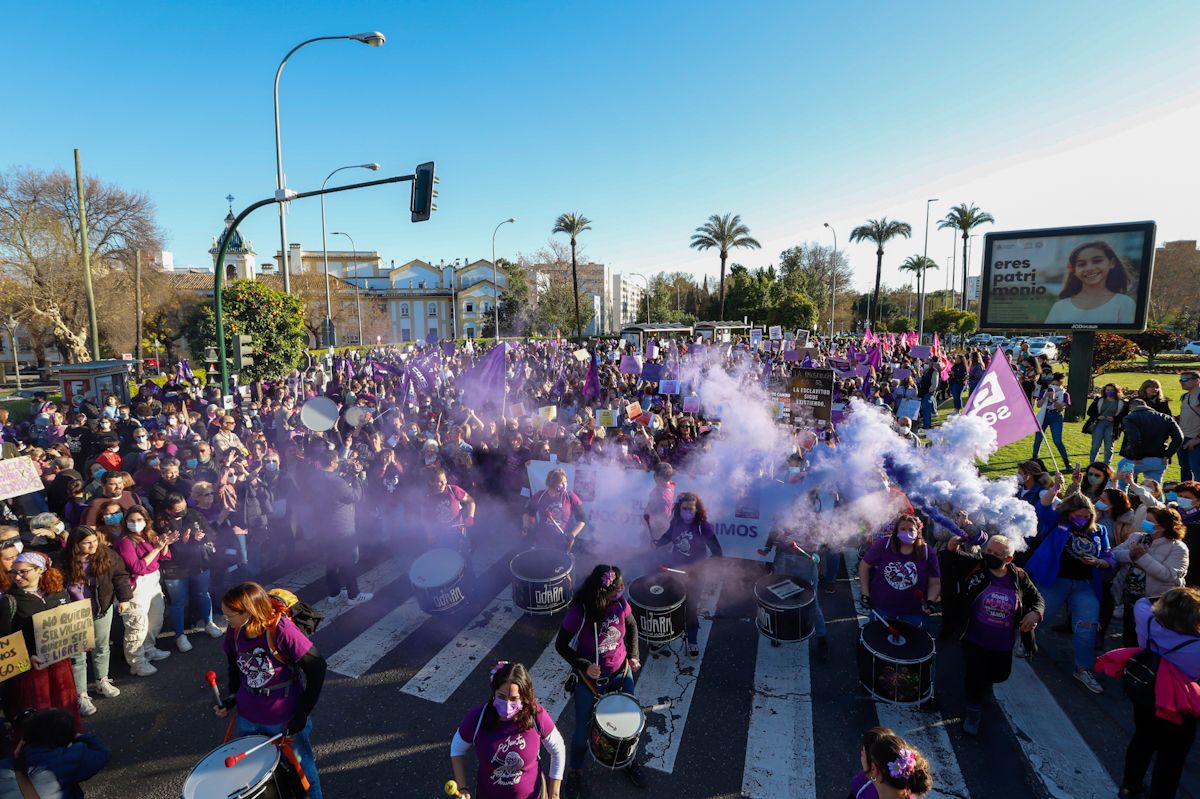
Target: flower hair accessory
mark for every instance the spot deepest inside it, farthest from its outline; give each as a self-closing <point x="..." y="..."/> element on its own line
<point x="904" y="765"/>
<point x="607" y="579"/>
<point x="499" y="665"/>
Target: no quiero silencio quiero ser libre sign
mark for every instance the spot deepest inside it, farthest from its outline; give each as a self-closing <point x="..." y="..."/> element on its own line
<point x="1084" y="278"/>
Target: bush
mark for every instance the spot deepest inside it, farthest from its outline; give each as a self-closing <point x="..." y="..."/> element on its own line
<point x="1109" y="349"/>
<point x="1155" y="340"/>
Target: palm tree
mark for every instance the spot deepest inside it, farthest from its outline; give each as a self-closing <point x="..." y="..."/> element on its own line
<point x="880" y="231"/>
<point x="573" y="225"/>
<point x="723" y="233"/>
<point x="919" y="265"/>
<point x="965" y="217"/>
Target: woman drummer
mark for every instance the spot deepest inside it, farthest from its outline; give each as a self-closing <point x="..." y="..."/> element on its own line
<point x="792" y="559"/>
<point x="995" y="601"/>
<point x="599" y="639"/>
<point x="900" y="576"/>
<point x="554" y="516"/>
<point x="508" y="734"/>
<point x="688" y="535"/>
<point x="451" y="512"/>
<point x="275" y="674"/>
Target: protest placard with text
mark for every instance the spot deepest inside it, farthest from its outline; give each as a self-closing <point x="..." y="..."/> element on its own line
<point x="64" y="631"/>
<point x="18" y="476"/>
<point x="668" y="387"/>
<point x="691" y="405"/>
<point x="606" y="417"/>
<point x="14" y="657"/>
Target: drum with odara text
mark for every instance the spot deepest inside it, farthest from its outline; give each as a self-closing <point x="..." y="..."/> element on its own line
<point x="657" y="603"/>
<point x="437" y="580"/>
<point x="260" y="775"/>
<point x="542" y="580"/>
<point x="895" y="662"/>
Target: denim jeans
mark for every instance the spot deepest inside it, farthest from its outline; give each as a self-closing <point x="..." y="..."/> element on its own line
<point x="301" y="745"/>
<point x="100" y="655"/>
<point x="189" y="589"/>
<point x="956" y="390"/>
<point x="585" y="701"/>
<point x="831" y="561"/>
<point x="1150" y="468"/>
<point x="1102" y="434"/>
<point x="245" y="568"/>
<point x="927" y="411"/>
<point x="1081" y="598"/>
<point x="1053" y="423"/>
<point x="1189" y="462"/>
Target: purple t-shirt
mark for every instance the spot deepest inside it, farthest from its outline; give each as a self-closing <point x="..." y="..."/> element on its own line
<point x="554" y="511"/>
<point x="260" y="669"/>
<point x="900" y="582"/>
<point x="861" y="787"/>
<point x="608" y="636"/>
<point x="994" y="615"/>
<point x="508" y="755"/>
<point x="689" y="541"/>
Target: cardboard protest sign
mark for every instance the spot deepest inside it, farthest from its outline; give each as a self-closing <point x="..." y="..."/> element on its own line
<point x="651" y="349"/>
<point x="652" y="372"/>
<point x="691" y="405"/>
<point x="910" y="408"/>
<point x="633" y="410"/>
<point x="631" y="365"/>
<point x="791" y="356"/>
<point x="548" y="412"/>
<point x="18" y="476"/>
<point x="581" y="355"/>
<point x="606" y="417"/>
<point x="812" y="397"/>
<point x="668" y="387"/>
<point x="756" y="338"/>
<point x="549" y="429"/>
<point x="802" y="335"/>
<point x="14" y="657"/>
<point x="809" y="352"/>
<point x="64" y="631"/>
<point x="775" y="332"/>
<point x="900" y="374"/>
<point x="920" y="351"/>
<point x="517" y="410"/>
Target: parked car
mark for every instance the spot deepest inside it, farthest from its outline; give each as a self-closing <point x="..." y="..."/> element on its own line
<point x="1043" y="346"/>
<point x="1192" y="347"/>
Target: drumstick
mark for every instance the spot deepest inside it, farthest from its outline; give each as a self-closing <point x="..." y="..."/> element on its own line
<point x="885" y="622"/>
<point x="672" y="571"/>
<point x="451" y="788"/>
<point x="232" y="759"/>
<point x="211" y="677"/>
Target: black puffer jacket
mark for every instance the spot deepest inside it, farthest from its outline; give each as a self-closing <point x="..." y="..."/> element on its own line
<point x="114" y="587"/>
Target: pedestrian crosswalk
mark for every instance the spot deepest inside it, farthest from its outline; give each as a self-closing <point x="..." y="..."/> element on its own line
<point x="780" y="737"/>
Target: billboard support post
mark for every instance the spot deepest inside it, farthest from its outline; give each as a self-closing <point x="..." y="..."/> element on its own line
<point x="1083" y="345"/>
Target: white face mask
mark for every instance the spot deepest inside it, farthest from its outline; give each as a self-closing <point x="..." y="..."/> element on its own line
<point x="137" y="526"/>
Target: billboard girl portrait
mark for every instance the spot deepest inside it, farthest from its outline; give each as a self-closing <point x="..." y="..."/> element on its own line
<point x="1095" y="288"/>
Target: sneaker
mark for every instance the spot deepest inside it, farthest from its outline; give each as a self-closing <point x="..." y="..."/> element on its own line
<point x="337" y="599"/>
<point x="1019" y="649"/>
<point x="142" y="669"/>
<point x="106" y="689"/>
<point x="693" y="649"/>
<point x="633" y="773"/>
<point x="86" y="708"/>
<point x="153" y="653"/>
<point x="971" y="722"/>
<point x="213" y="630"/>
<point x="360" y="598"/>
<point x="573" y="784"/>
<point x="1089" y="681"/>
<point x="830" y="588"/>
<point x="182" y="643"/>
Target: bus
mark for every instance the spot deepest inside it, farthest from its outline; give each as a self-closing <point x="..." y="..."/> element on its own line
<point x="638" y="335"/>
<point x="721" y="331"/>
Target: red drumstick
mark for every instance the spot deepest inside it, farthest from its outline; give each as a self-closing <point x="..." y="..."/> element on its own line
<point x="672" y="571"/>
<point x="211" y="677"/>
<point x="233" y="759"/>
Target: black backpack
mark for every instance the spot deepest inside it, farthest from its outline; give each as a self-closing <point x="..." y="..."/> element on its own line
<point x="1141" y="672"/>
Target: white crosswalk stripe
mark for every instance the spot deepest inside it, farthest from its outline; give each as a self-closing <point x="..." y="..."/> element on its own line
<point x="369" y="582"/>
<point x="300" y="578"/>
<point x="780" y="756"/>
<point x="549" y="672"/>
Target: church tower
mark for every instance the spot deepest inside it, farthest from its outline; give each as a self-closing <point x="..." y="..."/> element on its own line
<point x="239" y="255"/>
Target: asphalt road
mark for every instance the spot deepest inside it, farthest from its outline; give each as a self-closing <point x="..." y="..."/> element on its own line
<point x="745" y="719"/>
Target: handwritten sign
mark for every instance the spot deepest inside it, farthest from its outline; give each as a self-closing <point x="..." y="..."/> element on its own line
<point x="18" y="476"/>
<point x="581" y="355"/>
<point x="549" y="430"/>
<point x="548" y="412"/>
<point x="900" y="374"/>
<point x="14" y="657"/>
<point x="756" y="338"/>
<point x="775" y="332"/>
<point x="633" y="410"/>
<point x="517" y="410"/>
<point x="652" y="372"/>
<point x="631" y="365"/>
<point x="812" y="397"/>
<point x="64" y="631"/>
<point x="651" y="349"/>
<point x="920" y="351"/>
<point x="668" y="387"/>
<point x="691" y="405"/>
<point x="606" y="417"/>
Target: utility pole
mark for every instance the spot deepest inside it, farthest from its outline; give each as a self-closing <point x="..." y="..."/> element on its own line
<point x="12" y="324"/>
<point x="93" y="328"/>
<point x="137" y="294"/>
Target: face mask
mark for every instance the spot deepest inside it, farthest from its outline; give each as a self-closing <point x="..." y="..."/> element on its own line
<point x="506" y="708"/>
<point x="907" y="536"/>
<point x="253" y="413"/>
<point x="137" y="526"/>
<point x="992" y="561"/>
<point x="172" y="421"/>
<point x="1184" y="502"/>
<point x="271" y="466"/>
<point x="687" y="515"/>
<point x="1148" y="527"/>
<point x="794" y="470"/>
<point x="113" y="518"/>
<point x="124" y="414"/>
<point x="1101" y="506"/>
<point x="1095" y="479"/>
<point x="1110" y="393"/>
<point x="192" y="463"/>
<point x="1171" y="496"/>
<point x="1080" y="523"/>
<point x="153" y="464"/>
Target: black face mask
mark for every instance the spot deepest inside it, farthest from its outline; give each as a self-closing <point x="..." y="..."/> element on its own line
<point x="992" y="561"/>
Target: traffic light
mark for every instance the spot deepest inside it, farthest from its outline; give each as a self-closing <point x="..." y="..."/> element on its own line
<point x="243" y="352"/>
<point x="212" y="365"/>
<point x="424" y="192"/>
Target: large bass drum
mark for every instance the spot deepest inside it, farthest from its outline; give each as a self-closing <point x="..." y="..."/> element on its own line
<point x="895" y="662"/>
<point x="786" y="609"/>
<point x="541" y="580"/>
<point x="437" y="579"/>
<point x="657" y="601"/>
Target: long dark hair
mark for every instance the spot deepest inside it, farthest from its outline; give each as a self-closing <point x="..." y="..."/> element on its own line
<point x="701" y="513"/>
<point x="517" y="674"/>
<point x="594" y="596"/>
<point x="102" y="561"/>
<point x="919" y="544"/>
<point x="1116" y="281"/>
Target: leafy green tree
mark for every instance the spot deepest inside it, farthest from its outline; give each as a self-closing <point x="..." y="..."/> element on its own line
<point x="554" y="307"/>
<point x="514" y="302"/>
<point x="274" y="320"/>
<point x="919" y="265"/>
<point x="1155" y="340"/>
<point x="952" y="320"/>
<point x="794" y="309"/>
<point x="723" y="233"/>
<point x="573" y="225"/>
<point x="880" y="231"/>
<point x="965" y="217"/>
<point x="811" y="268"/>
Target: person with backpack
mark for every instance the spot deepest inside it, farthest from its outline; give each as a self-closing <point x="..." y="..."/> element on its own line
<point x="508" y="735"/>
<point x="995" y="601"/>
<point x="275" y="674"/>
<point x="1168" y="632"/>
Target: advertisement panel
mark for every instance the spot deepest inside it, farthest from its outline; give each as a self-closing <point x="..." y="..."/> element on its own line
<point x="1078" y="278"/>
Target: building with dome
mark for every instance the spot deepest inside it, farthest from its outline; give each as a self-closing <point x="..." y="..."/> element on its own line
<point x="239" y="255"/>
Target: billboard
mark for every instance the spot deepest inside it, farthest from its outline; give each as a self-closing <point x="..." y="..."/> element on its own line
<point x="1078" y="278"/>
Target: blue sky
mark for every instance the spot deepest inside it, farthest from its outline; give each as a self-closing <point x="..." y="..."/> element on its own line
<point x="645" y="117"/>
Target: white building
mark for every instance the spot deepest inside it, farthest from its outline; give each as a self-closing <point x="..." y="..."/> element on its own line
<point x="628" y="295"/>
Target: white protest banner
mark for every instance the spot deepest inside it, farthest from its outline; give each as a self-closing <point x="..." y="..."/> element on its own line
<point x="775" y="332"/>
<point x="756" y="338"/>
<point x="64" y="631"/>
<point x="691" y="405"/>
<point x="668" y="387"/>
<point x="18" y="476"/>
<point x="581" y="355"/>
<point x="14" y="657"/>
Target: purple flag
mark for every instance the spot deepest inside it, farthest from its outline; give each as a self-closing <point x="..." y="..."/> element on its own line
<point x="591" y="384"/>
<point x="999" y="401"/>
<point x="484" y="382"/>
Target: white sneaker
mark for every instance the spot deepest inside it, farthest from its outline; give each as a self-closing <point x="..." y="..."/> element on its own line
<point x="361" y="598"/>
<point x="154" y="653"/>
<point x="86" y="708"/>
<point x="340" y="599"/>
<point x="106" y="689"/>
<point x="182" y="643"/>
<point x="213" y="630"/>
<point x="142" y="669"/>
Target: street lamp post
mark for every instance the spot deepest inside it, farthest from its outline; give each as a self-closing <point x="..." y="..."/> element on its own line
<point x="157" y="360"/>
<point x="330" y="338"/>
<point x="282" y="193"/>
<point x="647" y="280"/>
<point x="832" y="280"/>
<point x="921" y="277"/>
<point x="495" y="277"/>
<point x="12" y="324"/>
<point x="357" y="294"/>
